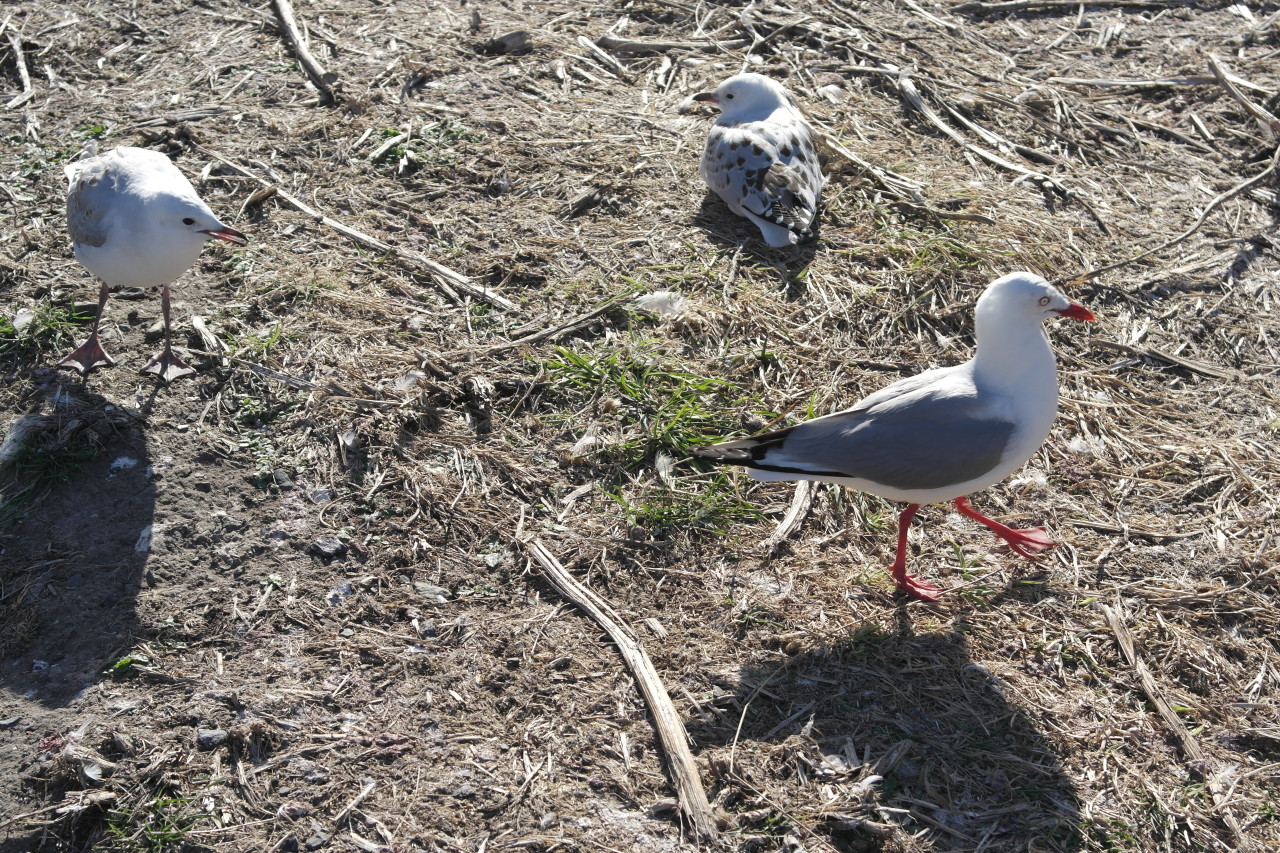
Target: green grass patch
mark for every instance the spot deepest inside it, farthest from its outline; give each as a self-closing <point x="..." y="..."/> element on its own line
<point x="44" y="329"/>
<point x="38" y="469"/>
<point x="257" y="346"/>
<point x="434" y="144"/>
<point x="158" y="824"/>
<point x="710" y="502"/>
<point x="649" y="411"/>
<point x="653" y="404"/>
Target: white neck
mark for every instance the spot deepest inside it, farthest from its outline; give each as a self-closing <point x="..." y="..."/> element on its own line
<point x="1014" y="358"/>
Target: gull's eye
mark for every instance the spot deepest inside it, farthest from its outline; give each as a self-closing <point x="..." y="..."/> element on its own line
<point x="1044" y="300"/>
<point x="187" y="220"/>
<point x="729" y="97"/>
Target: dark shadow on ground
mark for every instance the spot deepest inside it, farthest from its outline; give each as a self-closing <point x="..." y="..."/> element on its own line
<point x="72" y="565"/>
<point x="957" y="758"/>
<point x="734" y="232"/>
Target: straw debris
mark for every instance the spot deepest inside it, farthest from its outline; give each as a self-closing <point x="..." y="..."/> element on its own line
<point x="291" y="603"/>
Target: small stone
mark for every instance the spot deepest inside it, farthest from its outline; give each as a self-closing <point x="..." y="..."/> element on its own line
<point x="207" y="739"/>
<point x="516" y="42"/>
<point x="320" y="839"/>
<point x="431" y="592"/>
<point x="340" y="593"/>
<point x="328" y="547"/>
<point x="282" y="480"/>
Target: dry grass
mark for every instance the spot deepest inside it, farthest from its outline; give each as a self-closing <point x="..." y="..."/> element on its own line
<point x="368" y="400"/>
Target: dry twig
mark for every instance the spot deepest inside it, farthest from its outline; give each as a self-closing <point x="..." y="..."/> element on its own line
<point x="445" y="279"/>
<point x="325" y="81"/>
<point x="15" y="42"/>
<point x="1212" y="206"/>
<point x="913" y="97"/>
<point x="1025" y="5"/>
<point x="801" y="500"/>
<point x="1191" y="750"/>
<point x="1266" y="119"/>
<point x="675" y="741"/>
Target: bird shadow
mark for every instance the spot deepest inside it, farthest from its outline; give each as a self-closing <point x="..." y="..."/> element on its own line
<point x="960" y="764"/>
<point x="77" y="502"/>
<point x="732" y="232"/>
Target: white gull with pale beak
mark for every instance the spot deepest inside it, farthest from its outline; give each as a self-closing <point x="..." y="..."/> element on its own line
<point x="761" y="160"/>
<point x="135" y="220"/>
<point x="941" y="434"/>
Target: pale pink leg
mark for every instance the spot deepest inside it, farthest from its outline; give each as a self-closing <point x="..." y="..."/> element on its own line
<point x="166" y="364"/>
<point x="90" y="354"/>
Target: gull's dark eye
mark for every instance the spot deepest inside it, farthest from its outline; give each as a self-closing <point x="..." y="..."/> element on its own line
<point x="187" y="220"/>
<point x="730" y="97"/>
<point x="1044" y="300"/>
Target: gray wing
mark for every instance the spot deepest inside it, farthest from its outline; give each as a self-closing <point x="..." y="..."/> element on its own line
<point x="917" y="434"/>
<point x="88" y="199"/>
<point x="935" y="443"/>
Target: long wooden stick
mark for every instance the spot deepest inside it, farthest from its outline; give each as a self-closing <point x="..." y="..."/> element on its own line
<point x="671" y="731"/>
<point x="1210" y="208"/>
<point x="1230" y="84"/>
<point x="446" y="280"/>
<point x="321" y="79"/>
<point x="1196" y="759"/>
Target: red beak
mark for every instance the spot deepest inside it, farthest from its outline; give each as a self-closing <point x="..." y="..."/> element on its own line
<point x="707" y="96"/>
<point x="1076" y="311"/>
<point x="229" y="234"/>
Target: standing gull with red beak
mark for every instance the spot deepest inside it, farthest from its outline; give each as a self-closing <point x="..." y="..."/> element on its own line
<point x="760" y="158"/>
<point x="136" y="220"/>
<point x="941" y="434"/>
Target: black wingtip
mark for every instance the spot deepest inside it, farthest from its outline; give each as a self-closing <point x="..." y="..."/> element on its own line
<point x="726" y="455"/>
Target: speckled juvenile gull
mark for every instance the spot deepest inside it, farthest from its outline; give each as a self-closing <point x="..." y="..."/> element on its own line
<point x="941" y="434"/>
<point x="761" y="160"/>
<point x="136" y="220"/>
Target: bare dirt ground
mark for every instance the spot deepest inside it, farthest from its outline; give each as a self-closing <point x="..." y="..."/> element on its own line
<point x="289" y="604"/>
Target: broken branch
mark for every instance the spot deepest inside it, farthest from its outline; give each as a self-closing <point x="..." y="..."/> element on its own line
<point x="671" y="731"/>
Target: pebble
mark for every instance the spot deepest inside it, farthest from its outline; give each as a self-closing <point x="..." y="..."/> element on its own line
<point x="431" y="592"/>
<point x="208" y="739"/>
<point x="328" y="547"/>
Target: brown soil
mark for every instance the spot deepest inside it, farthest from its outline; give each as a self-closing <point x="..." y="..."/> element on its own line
<point x="288" y="604"/>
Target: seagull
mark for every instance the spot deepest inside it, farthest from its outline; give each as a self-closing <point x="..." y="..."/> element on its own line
<point x="761" y="160"/>
<point x="941" y="434"/>
<point x="136" y="220"/>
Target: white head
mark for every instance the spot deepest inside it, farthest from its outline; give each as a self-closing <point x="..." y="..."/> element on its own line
<point x="184" y="218"/>
<point x="745" y="95"/>
<point x="1024" y="296"/>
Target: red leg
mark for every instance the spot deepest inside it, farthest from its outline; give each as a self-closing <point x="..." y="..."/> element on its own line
<point x="166" y="364"/>
<point x="913" y="587"/>
<point x="1028" y="543"/>
<point x="90" y="354"/>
